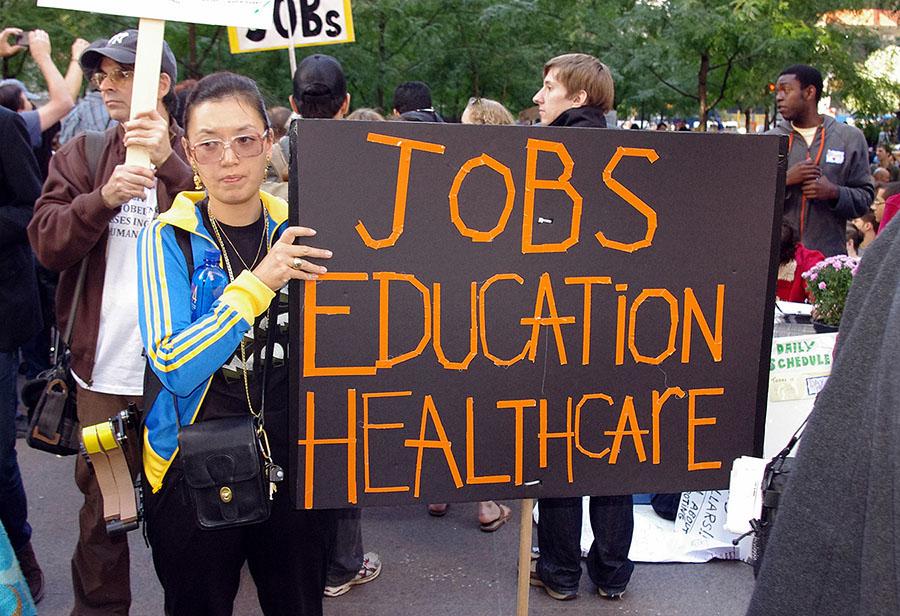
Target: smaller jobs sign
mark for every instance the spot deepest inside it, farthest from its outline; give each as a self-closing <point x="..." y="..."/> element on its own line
<point x="253" y="13"/>
<point x="312" y="22"/>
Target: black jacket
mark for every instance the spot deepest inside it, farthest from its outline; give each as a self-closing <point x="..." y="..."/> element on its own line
<point x="20" y="186"/>
<point x="582" y="117"/>
<point x="421" y="115"/>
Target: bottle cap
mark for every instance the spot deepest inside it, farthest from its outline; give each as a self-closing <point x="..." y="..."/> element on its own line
<point x="211" y="254"/>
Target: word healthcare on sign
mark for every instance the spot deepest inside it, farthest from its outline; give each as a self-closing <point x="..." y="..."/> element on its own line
<point x="253" y="13"/>
<point x="521" y="312"/>
<point x="297" y="23"/>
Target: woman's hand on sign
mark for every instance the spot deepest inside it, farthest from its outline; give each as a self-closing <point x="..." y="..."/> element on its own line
<point x="287" y="260"/>
<point x="150" y="131"/>
<point x="126" y="183"/>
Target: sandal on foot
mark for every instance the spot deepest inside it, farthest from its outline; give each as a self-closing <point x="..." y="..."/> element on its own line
<point x="438" y="510"/>
<point x="500" y="520"/>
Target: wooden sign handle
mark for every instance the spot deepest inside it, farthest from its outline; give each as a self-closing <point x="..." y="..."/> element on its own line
<point x="144" y="96"/>
<point x="524" y="557"/>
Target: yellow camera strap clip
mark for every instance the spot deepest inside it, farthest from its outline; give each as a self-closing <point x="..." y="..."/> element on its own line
<point x="102" y="446"/>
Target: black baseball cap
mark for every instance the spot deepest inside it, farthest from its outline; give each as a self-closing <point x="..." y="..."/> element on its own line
<point x="319" y="75"/>
<point x="122" y="48"/>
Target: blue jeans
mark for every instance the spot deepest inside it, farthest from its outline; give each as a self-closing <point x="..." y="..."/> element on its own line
<point x="559" y="540"/>
<point x="347" y="551"/>
<point x="13" y="507"/>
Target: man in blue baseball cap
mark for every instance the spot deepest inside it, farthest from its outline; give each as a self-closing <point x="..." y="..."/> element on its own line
<point x="92" y="207"/>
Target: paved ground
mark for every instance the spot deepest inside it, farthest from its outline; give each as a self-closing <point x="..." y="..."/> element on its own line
<point x="432" y="565"/>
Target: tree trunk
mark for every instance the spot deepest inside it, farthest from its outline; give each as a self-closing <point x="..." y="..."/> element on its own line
<point x="379" y="88"/>
<point x="703" y="89"/>
<point x="192" y="69"/>
<point x="747" y="116"/>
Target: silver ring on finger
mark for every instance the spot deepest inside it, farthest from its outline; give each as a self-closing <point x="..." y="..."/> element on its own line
<point x="297" y="263"/>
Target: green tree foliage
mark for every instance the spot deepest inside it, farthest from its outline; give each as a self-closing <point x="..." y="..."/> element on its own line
<point x="669" y="57"/>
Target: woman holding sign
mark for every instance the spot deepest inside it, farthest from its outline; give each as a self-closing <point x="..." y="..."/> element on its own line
<point x="215" y="439"/>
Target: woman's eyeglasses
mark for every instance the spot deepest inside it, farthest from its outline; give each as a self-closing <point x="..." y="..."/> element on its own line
<point x="243" y="146"/>
<point x="115" y="76"/>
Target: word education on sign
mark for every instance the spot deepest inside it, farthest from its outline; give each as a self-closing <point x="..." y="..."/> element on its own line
<point x="520" y="312"/>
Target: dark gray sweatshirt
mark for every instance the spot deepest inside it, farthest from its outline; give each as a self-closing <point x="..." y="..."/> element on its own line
<point x="844" y="161"/>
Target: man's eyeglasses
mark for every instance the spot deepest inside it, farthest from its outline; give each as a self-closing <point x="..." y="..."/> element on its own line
<point x="243" y="146"/>
<point x="116" y="77"/>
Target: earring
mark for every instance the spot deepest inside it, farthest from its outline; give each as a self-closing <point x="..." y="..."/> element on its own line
<point x="198" y="183"/>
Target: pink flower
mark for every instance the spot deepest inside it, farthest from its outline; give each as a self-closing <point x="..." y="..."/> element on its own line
<point x="822" y="286"/>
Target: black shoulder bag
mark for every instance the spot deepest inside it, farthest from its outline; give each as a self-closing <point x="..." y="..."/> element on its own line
<point x="50" y="397"/>
<point x="226" y="462"/>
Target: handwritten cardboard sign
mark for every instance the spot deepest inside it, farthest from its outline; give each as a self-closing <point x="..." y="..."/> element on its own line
<point x="252" y="13"/>
<point x="521" y="312"/>
<point x="298" y="23"/>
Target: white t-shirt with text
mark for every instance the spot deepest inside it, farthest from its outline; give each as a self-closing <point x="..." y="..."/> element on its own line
<point x="119" y="363"/>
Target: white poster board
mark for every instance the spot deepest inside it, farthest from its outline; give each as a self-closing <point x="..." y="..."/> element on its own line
<point x="324" y="23"/>
<point x="799" y="367"/>
<point x="249" y="13"/>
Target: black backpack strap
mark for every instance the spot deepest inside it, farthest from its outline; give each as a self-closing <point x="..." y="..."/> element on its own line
<point x="184" y="242"/>
<point x="152" y="384"/>
<point x="93" y="148"/>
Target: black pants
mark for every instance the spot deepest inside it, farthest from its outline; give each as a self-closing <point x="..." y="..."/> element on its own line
<point x="200" y="570"/>
<point x="559" y="540"/>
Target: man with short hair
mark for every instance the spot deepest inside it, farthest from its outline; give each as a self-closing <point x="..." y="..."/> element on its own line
<point x="89" y="113"/>
<point x="884" y="160"/>
<point x="828" y="180"/>
<point x="578" y="91"/>
<point x="93" y="206"/>
<point x="412" y="102"/>
<point x="868" y="226"/>
<point x="320" y="91"/>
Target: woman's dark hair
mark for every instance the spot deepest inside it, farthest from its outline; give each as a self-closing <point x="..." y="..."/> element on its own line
<point x="224" y="85"/>
<point x="11" y="97"/>
<point x="788" y="242"/>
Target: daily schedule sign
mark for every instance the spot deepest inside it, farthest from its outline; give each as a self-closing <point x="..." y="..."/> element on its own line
<point x="518" y="312"/>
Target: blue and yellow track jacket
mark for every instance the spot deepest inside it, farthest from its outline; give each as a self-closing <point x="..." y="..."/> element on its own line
<point x="183" y="354"/>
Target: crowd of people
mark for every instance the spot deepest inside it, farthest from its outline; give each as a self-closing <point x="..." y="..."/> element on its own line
<point x="218" y="180"/>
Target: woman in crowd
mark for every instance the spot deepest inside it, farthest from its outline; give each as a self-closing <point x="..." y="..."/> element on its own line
<point x="486" y="111"/>
<point x="200" y="364"/>
<point x="794" y="260"/>
<point x="491" y="515"/>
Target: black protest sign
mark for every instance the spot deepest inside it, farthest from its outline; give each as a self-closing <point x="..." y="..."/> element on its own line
<point x="520" y="312"/>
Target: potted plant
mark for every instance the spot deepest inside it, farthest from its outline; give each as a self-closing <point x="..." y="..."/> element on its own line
<point x="828" y="283"/>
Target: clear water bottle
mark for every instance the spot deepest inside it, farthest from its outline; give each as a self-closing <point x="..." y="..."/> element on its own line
<point x="207" y="284"/>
